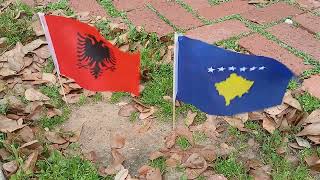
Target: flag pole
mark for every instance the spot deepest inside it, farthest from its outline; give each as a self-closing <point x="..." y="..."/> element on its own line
<point x="52" y="51"/>
<point x="175" y="66"/>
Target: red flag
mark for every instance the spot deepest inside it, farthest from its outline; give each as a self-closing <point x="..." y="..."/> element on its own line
<point x="81" y="53"/>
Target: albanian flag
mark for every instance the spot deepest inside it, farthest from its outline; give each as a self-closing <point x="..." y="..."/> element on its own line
<point x="80" y="52"/>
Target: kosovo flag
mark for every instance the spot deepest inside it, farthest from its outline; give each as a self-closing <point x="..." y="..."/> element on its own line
<point x="222" y="82"/>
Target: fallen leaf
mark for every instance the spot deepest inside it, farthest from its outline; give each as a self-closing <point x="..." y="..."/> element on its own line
<point x="5" y="72"/>
<point x="313" y="162"/>
<point x="54" y="112"/>
<point x="127" y="110"/>
<point x="167" y="58"/>
<point x="30" y="145"/>
<point x="118" y="158"/>
<point x="314" y="139"/>
<point x="314" y="117"/>
<point x="235" y="122"/>
<point x="295" y="145"/>
<point x="125" y="48"/>
<point x="8" y="125"/>
<point x="259" y="174"/>
<point x="155" y="155"/>
<point x="244" y="117"/>
<point x="10" y="167"/>
<point x="194" y="173"/>
<point x="54" y="137"/>
<point x="145" y="115"/>
<point x="106" y="95"/>
<point x="167" y="98"/>
<point x="34" y="95"/>
<point x="208" y="153"/>
<point x="4" y="154"/>
<point x="217" y="177"/>
<point x="311" y="129"/>
<point x="154" y="174"/>
<point x="288" y="99"/>
<point x="143" y="170"/>
<point x="117" y="141"/>
<point x="37" y="28"/>
<point x="73" y="98"/>
<point x="183" y="131"/>
<point x="145" y="126"/>
<point x="276" y="110"/>
<point x="49" y="78"/>
<point x="91" y="156"/>
<point x="170" y="140"/>
<point x="122" y="175"/>
<point x="210" y="127"/>
<point x="124" y="38"/>
<point x="195" y="161"/>
<point x="26" y="134"/>
<point x="224" y="149"/>
<point x="113" y="169"/>
<point x="43" y="52"/>
<point x="174" y="160"/>
<point x="190" y="118"/>
<point x="30" y="163"/>
<point x="302" y="142"/>
<point x="269" y="125"/>
<point x="33" y="45"/>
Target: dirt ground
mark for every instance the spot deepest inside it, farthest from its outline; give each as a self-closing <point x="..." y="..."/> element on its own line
<point x="100" y="121"/>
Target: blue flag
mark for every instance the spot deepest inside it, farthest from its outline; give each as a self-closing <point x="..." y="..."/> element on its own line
<point x="222" y="82"/>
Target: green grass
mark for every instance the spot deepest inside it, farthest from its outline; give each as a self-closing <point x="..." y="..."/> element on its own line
<point x="16" y="30"/>
<point x="293" y="84"/>
<point x="118" y="96"/>
<point x="134" y="116"/>
<point x="108" y="5"/>
<point x="318" y="35"/>
<point x="217" y="2"/>
<point x="59" y="5"/>
<point x="309" y="103"/>
<point x="199" y="137"/>
<point x="64" y="168"/>
<point x="50" y="123"/>
<point x="183" y="143"/>
<point x="230" y="168"/>
<point x="49" y="66"/>
<point x="52" y="92"/>
<point x="159" y="163"/>
<point x="3" y="109"/>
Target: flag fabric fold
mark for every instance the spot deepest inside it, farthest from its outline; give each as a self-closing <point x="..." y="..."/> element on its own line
<point x="80" y="52"/>
<point x="222" y="82"/>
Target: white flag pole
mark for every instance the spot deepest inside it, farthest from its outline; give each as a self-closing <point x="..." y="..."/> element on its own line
<point x="52" y="51"/>
<point x="175" y="78"/>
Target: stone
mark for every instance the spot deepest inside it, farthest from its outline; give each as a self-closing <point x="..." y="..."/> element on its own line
<point x="149" y="20"/>
<point x="217" y="32"/>
<point x="125" y="5"/>
<point x="176" y="14"/>
<point x="309" y="4"/>
<point x="259" y="45"/>
<point x="297" y="38"/>
<point x="312" y="85"/>
<point x="91" y="6"/>
<point x="271" y="13"/>
<point x="309" y="22"/>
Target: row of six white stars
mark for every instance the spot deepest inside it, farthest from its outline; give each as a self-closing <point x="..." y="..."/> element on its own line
<point x="232" y="68"/>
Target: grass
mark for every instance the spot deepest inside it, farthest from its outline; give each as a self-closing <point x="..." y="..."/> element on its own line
<point x="52" y="92"/>
<point x="16" y="29"/>
<point x="318" y="35"/>
<point x="293" y="84"/>
<point x="134" y="116"/>
<point x="49" y="66"/>
<point x="230" y="168"/>
<point x="109" y="7"/>
<point x="117" y="96"/>
<point x="59" y="5"/>
<point x="159" y="163"/>
<point x="217" y="2"/>
<point x="308" y="102"/>
<point x="63" y="168"/>
<point x="50" y="123"/>
<point x="3" y="109"/>
<point x="199" y="137"/>
<point x="183" y="143"/>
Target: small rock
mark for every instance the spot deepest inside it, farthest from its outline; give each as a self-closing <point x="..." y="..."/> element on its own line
<point x="288" y="21"/>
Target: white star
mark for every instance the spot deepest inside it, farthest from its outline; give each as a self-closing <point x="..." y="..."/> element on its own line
<point x="243" y="69"/>
<point x="253" y="68"/>
<point x="262" y="68"/>
<point x="210" y="70"/>
<point x="232" y="68"/>
<point x="221" y="69"/>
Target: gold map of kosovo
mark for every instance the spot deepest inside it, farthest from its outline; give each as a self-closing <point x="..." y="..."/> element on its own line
<point x="232" y="87"/>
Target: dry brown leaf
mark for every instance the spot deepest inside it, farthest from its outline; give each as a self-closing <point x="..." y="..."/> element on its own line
<point x="295" y="145"/>
<point x="288" y="99"/>
<point x="313" y="162"/>
<point x="26" y="134"/>
<point x="224" y="149"/>
<point x="5" y="72"/>
<point x="276" y="110"/>
<point x="143" y="170"/>
<point x="244" y="117"/>
<point x="195" y="161"/>
<point x="8" y="125"/>
<point x="117" y="141"/>
<point x="54" y="112"/>
<point x="10" y="167"/>
<point x="30" y="145"/>
<point x="208" y="153"/>
<point x="259" y="174"/>
<point x="37" y="28"/>
<point x="34" y="95"/>
<point x="145" y="126"/>
<point x="167" y="58"/>
<point x="174" y="160"/>
<point x="49" y="78"/>
<point x="210" y="128"/>
<point x="314" y="139"/>
<point x="311" y="129"/>
<point x="269" y="125"/>
<point x="217" y="177"/>
<point x="183" y="131"/>
<point x="73" y="98"/>
<point x="122" y="174"/>
<point x="124" y="38"/>
<point x="54" y="138"/>
<point x="190" y="118"/>
<point x="235" y="122"/>
<point x="194" y="173"/>
<point x="154" y="174"/>
<point x="91" y="156"/>
<point x="170" y="140"/>
<point x="167" y="98"/>
<point x="30" y="163"/>
<point x="314" y="117"/>
<point x="145" y="115"/>
<point x="4" y="154"/>
<point x="118" y="158"/>
<point x="302" y="142"/>
<point x="33" y="45"/>
<point x="127" y="110"/>
<point x="155" y="155"/>
<point x="113" y="169"/>
<point x="125" y="48"/>
<point x="43" y="52"/>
